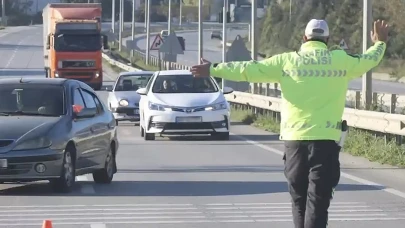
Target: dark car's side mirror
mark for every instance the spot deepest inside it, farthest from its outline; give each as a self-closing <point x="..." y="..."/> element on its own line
<point x="80" y="113"/>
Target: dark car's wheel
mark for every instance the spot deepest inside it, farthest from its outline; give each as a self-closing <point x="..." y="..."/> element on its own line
<point x="105" y="175"/>
<point x="149" y="136"/>
<point x="221" y="135"/>
<point x="67" y="178"/>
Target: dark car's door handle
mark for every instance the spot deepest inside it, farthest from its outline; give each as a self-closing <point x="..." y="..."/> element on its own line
<point x="92" y="129"/>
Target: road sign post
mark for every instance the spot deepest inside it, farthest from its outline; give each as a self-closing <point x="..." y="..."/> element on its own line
<point x="171" y="47"/>
<point x="343" y="45"/>
<point x="238" y="52"/>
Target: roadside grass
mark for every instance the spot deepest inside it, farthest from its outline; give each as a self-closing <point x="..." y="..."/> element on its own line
<point x="358" y="142"/>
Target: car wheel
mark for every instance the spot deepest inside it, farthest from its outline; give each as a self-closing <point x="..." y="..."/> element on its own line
<point x="105" y="175"/>
<point x="67" y="178"/>
<point x="149" y="136"/>
<point x="221" y="135"/>
<point x="142" y="131"/>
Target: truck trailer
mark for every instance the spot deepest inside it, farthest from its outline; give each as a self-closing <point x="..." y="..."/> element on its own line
<point x="73" y="42"/>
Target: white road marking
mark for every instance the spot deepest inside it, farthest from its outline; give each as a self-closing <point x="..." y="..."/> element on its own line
<point x="343" y="174"/>
<point x="85" y="188"/>
<point x="98" y="225"/>
<point x="99" y="216"/>
<point x="81" y="178"/>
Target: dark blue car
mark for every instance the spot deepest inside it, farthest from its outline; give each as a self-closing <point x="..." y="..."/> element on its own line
<point x="55" y="129"/>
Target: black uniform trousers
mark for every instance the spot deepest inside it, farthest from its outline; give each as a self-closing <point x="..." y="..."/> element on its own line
<point x="312" y="170"/>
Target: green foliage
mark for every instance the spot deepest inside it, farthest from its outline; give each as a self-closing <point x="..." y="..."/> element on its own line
<point x="344" y="17"/>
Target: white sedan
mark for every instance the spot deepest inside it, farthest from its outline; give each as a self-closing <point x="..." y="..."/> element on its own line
<point x="176" y="103"/>
<point x="123" y="100"/>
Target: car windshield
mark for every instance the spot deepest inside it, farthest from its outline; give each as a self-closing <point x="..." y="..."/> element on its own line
<point x="183" y="84"/>
<point x="32" y="100"/>
<point x="77" y="42"/>
<point x="132" y="82"/>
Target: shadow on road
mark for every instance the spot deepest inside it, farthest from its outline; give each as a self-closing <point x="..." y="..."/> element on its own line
<point x="209" y="169"/>
<point x="232" y="138"/>
<point x="21" y="72"/>
<point x="172" y="188"/>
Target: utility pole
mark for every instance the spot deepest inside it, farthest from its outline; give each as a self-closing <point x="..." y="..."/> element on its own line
<point x="290" y="9"/>
<point x="367" y="88"/>
<point x="224" y="37"/>
<point x="253" y="38"/>
<point x="113" y="17"/>
<point x="169" y="18"/>
<point x="121" y="22"/>
<point x="133" y="26"/>
<point x="200" y="31"/>
<point x="181" y="12"/>
<point x="146" y="10"/>
<point x="147" y="32"/>
<point x="122" y="15"/>
<point x="3" y="13"/>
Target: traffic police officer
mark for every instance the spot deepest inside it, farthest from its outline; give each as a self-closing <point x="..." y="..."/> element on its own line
<point x="314" y="82"/>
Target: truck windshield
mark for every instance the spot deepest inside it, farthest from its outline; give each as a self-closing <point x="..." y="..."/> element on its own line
<point x="77" y="42"/>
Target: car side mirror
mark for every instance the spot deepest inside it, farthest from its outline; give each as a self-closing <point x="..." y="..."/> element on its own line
<point x="48" y="42"/>
<point x="108" y="88"/>
<point x="80" y="113"/>
<point x="105" y="42"/>
<point x="142" y="91"/>
<point x="227" y="90"/>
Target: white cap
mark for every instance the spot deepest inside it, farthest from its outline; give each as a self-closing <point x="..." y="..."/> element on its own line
<point x="317" y="28"/>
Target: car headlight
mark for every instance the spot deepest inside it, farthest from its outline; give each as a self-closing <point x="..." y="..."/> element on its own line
<point x="36" y="143"/>
<point x="218" y="106"/>
<point x="156" y="107"/>
<point x="123" y="102"/>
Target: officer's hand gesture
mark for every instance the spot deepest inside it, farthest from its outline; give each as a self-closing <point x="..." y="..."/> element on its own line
<point x="380" y="31"/>
<point x="202" y="70"/>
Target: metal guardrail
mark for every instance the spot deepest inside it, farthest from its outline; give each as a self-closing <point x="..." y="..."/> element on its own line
<point x="386" y="123"/>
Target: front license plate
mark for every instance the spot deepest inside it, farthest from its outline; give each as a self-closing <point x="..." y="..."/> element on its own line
<point x="3" y="163"/>
<point x="189" y="119"/>
<point x="136" y="111"/>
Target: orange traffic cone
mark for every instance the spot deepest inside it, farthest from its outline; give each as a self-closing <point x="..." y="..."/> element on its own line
<point x="47" y="224"/>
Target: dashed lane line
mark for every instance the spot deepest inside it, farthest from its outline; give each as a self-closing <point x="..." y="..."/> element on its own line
<point x="343" y="174"/>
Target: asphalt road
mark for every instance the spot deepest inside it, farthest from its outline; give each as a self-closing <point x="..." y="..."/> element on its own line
<point x="189" y="182"/>
<point x="213" y="52"/>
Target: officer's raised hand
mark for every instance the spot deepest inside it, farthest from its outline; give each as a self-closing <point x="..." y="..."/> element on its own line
<point x="380" y="31"/>
<point x="202" y="70"/>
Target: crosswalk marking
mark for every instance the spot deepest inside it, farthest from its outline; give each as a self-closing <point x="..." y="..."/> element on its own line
<point x="101" y="216"/>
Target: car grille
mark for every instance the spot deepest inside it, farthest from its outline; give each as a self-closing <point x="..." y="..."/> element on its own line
<point x="188" y="110"/>
<point x="15" y="169"/>
<point x="5" y="142"/>
<point x="187" y="126"/>
<point x="78" y="64"/>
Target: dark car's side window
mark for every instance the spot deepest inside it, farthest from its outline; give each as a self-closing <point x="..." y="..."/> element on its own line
<point x="100" y="108"/>
<point x="77" y="98"/>
<point x="88" y="99"/>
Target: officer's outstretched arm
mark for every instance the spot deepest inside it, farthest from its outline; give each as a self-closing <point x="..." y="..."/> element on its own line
<point x="266" y="71"/>
<point x="357" y="65"/>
